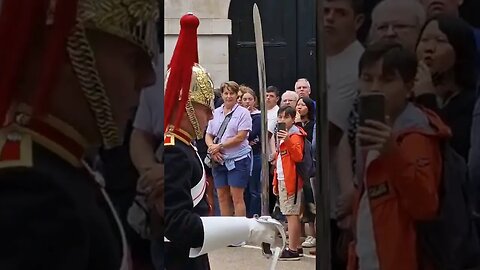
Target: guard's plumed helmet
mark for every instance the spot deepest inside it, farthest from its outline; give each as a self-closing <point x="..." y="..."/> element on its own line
<point x="132" y="20"/>
<point x="186" y="82"/>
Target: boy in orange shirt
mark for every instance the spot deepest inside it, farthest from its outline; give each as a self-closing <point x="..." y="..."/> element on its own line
<point x="286" y="184"/>
<point x="399" y="166"/>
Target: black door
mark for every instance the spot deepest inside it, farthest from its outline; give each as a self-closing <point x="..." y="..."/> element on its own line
<point x="306" y="43"/>
<point x="469" y="11"/>
<point x="288" y="34"/>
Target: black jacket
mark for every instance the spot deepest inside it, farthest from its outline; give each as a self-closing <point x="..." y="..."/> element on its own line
<point x="53" y="215"/>
<point x="457" y="114"/>
<point x="183" y="226"/>
<point x="256" y="133"/>
<point x="308" y="128"/>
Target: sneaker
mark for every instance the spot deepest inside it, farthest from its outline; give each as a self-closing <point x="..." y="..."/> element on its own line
<point x="300" y="252"/>
<point x="289" y="255"/>
<point x="241" y="244"/>
<point x="310" y="242"/>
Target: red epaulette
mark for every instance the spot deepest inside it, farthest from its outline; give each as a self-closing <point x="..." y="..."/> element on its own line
<point x="49" y="132"/>
<point x="172" y="135"/>
<point x="15" y="149"/>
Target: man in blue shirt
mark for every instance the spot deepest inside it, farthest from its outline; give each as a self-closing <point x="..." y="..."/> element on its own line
<point x="303" y="89"/>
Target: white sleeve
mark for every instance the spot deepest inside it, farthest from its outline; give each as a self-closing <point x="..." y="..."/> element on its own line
<point x="340" y="102"/>
<point x="271" y="123"/>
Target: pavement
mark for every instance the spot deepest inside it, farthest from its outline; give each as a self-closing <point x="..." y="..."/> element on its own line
<point x="251" y="258"/>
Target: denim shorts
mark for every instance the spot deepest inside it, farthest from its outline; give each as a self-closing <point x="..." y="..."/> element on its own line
<point x="237" y="177"/>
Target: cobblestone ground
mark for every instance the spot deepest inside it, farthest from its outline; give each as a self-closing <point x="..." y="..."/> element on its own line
<point x="251" y="258"/>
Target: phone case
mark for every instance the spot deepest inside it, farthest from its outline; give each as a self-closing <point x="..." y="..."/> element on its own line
<point x="372" y="107"/>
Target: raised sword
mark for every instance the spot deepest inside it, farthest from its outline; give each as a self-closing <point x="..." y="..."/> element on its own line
<point x="262" y="87"/>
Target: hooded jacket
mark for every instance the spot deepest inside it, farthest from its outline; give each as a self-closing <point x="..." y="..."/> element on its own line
<point x="397" y="189"/>
<point x="291" y="152"/>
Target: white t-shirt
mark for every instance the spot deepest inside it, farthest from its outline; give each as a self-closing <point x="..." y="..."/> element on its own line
<point x="149" y="116"/>
<point x="280" y="175"/>
<point x="271" y="123"/>
<point x="342" y="86"/>
<point x="272" y="118"/>
<point x="342" y="78"/>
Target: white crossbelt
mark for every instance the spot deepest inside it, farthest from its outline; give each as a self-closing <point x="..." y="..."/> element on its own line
<point x="101" y="182"/>
<point x="198" y="191"/>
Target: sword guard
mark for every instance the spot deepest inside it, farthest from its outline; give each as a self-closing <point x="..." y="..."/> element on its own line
<point x="267" y="250"/>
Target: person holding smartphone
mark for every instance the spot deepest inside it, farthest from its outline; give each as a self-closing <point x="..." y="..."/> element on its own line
<point x="287" y="185"/>
<point x="400" y="168"/>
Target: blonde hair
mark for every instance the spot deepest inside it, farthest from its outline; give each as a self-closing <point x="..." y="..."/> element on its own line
<point x="245" y="89"/>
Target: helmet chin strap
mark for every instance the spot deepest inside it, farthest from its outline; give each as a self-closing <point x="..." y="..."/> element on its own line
<point x="83" y="62"/>
<point x="193" y="120"/>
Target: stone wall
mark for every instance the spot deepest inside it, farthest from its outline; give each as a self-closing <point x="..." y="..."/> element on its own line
<point x="213" y="32"/>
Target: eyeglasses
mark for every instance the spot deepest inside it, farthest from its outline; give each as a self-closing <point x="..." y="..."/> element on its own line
<point x="396" y="27"/>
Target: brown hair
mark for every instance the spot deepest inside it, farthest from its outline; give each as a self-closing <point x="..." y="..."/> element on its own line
<point x="395" y="59"/>
<point x="288" y="111"/>
<point x="230" y="85"/>
<point x="245" y="89"/>
<point x="356" y="5"/>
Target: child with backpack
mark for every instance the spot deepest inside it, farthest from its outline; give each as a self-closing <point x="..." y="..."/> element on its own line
<point x="399" y="166"/>
<point x="287" y="183"/>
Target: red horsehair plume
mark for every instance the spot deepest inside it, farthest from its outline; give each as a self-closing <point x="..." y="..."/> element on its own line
<point x="19" y="19"/>
<point x="184" y="57"/>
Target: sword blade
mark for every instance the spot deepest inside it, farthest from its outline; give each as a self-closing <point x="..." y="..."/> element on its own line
<point x="262" y="87"/>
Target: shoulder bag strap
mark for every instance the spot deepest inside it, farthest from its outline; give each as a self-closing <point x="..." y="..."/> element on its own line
<point x="223" y="126"/>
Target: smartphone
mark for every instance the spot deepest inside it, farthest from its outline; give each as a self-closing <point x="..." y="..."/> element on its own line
<point x="281" y="126"/>
<point x="372" y="107"/>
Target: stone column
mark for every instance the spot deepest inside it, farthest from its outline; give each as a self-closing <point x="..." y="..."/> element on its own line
<point x="212" y="33"/>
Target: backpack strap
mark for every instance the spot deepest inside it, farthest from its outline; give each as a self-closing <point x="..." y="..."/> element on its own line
<point x="296" y="189"/>
<point x="296" y="173"/>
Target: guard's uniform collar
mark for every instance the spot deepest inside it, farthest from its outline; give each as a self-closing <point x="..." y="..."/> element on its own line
<point x="48" y="131"/>
<point x="177" y="134"/>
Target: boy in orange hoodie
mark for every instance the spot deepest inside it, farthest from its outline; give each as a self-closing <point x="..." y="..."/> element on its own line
<point x="398" y="165"/>
<point x="287" y="185"/>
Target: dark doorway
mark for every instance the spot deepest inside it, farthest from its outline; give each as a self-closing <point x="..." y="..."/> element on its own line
<point x="469" y="11"/>
<point x="288" y="34"/>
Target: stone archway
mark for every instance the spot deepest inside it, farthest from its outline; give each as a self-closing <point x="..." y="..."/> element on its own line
<point x="213" y="32"/>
